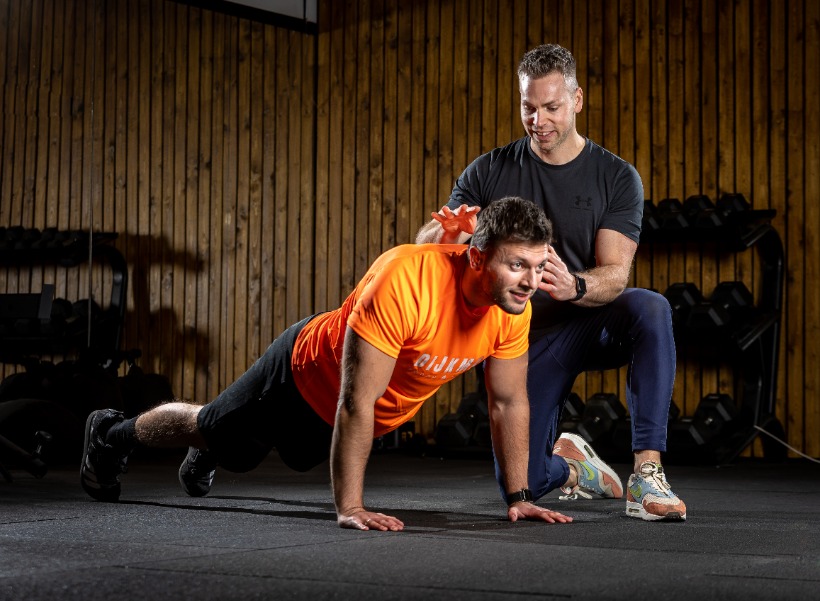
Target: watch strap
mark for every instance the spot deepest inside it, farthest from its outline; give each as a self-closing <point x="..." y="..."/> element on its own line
<point x="525" y="494"/>
<point x="580" y="287"/>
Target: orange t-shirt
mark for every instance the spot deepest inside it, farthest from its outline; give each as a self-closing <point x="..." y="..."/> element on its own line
<point x="408" y="305"/>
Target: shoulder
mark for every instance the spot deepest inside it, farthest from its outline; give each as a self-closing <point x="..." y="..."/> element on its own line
<point x="607" y="158"/>
<point x="513" y="151"/>
<point x="418" y="257"/>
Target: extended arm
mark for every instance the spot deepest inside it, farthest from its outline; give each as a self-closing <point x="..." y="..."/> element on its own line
<point x="614" y="253"/>
<point x="366" y="373"/>
<point x="509" y="422"/>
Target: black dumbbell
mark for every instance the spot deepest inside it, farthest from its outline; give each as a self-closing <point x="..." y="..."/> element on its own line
<point x="670" y="211"/>
<point x="572" y="413"/>
<point x="650" y="221"/>
<point x="712" y="414"/>
<point x="26" y="326"/>
<point x="61" y="311"/>
<point x="683" y="297"/>
<point x="77" y="321"/>
<point x="734" y="297"/>
<point x="473" y="404"/>
<point x="732" y="203"/>
<point x="701" y="212"/>
<point x="46" y="237"/>
<point x="674" y="411"/>
<point x="730" y="301"/>
<point x="455" y="430"/>
<point x="27" y="238"/>
<point x="601" y="413"/>
<point x="86" y="307"/>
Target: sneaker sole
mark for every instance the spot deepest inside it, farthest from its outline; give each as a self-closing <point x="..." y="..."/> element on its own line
<point x="636" y="510"/>
<point x="608" y="475"/>
<point x="107" y="495"/>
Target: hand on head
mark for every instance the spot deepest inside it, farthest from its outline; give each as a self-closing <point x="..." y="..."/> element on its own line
<point x="463" y="219"/>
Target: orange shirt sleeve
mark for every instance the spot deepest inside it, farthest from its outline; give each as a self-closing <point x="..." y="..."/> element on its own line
<point x="386" y="313"/>
<point x="514" y="338"/>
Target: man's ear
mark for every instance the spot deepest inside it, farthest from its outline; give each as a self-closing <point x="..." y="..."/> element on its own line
<point x="476" y="258"/>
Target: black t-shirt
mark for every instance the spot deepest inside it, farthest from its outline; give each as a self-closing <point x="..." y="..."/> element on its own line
<point x="596" y="190"/>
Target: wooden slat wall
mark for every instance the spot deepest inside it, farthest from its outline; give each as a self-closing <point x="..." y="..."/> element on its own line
<point x="254" y="172"/>
<point x="192" y="134"/>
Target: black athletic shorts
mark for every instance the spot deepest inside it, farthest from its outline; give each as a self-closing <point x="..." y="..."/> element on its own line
<point x="263" y="409"/>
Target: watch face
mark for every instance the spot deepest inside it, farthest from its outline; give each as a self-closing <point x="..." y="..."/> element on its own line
<point x="580" y="287"/>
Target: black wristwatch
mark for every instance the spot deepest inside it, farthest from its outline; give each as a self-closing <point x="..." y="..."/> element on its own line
<point x="525" y="494"/>
<point x="580" y="287"/>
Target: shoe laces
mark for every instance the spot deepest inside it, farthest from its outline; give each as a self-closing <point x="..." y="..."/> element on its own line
<point x="653" y="472"/>
<point x="573" y="494"/>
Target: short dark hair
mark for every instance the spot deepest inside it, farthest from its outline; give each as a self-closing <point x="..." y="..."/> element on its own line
<point x="549" y="58"/>
<point x="511" y="219"/>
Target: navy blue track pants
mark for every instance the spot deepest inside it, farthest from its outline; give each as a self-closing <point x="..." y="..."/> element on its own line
<point x="635" y="330"/>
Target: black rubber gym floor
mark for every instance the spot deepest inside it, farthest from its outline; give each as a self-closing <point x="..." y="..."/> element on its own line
<point x="753" y="532"/>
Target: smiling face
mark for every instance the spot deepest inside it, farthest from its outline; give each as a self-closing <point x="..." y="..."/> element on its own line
<point x="508" y="275"/>
<point x="548" y="110"/>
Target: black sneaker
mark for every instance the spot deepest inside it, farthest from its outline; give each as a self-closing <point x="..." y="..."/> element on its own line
<point x="102" y="465"/>
<point x="196" y="474"/>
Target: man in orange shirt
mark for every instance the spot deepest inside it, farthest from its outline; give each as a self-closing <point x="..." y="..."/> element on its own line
<point x="421" y="316"/>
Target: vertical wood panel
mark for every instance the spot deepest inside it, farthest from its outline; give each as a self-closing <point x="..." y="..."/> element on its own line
<point x="194" y="123"/>
<point x="241" y="162"/>
<point x="390" y="234"/>
<point x="778" y="185"/>
<point x="203" y="222"/>
<point x="808" y="403"/>
<point x="304" y="125"/>
<point x="364" y="53"/>
<point x="795" y="217"/>
<point x="216" y="290"/>
<point x="375" y="188"/>
<point x="241" y="334"/>
<point x="324" y="249"/>
<point x="405" y="226"/>
<point x="348" y="192"/>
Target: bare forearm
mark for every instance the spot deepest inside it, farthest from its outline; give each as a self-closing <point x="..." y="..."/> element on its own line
<point x="510" y="431"/>
<point x="430" y="233"/>
<point x="349" y="451"/>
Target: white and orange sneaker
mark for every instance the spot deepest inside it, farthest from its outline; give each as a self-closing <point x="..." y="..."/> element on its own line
<point x="649" y="497"/>
<point x="594" y="476"/>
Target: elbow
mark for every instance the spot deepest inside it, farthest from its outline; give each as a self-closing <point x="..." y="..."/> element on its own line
<point x="426" y="234"/>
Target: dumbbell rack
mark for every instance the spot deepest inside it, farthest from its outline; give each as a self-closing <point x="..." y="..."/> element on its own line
<point x="752" y="346"/>
<point x="28" y="247"/>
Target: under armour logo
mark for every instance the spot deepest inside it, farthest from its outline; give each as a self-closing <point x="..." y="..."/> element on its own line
<point x="583" y="203"/>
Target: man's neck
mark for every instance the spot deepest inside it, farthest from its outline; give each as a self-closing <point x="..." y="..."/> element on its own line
<point x="474" y="297"/>
<point x="568" y="151"/>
